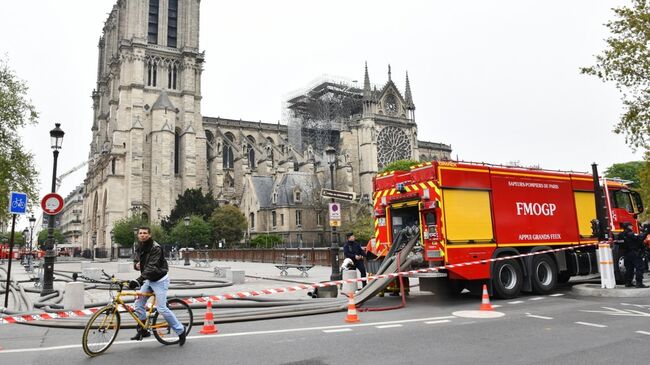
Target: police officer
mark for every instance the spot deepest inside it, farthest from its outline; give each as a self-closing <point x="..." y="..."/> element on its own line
<point x="633" y="244"/>
<point x="352" y="250"/>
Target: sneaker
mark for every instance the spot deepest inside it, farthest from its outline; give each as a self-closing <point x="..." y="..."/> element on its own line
<point x="182" y="337"/>
<point x="642" y="286"/>
<point x="140" y="334"/>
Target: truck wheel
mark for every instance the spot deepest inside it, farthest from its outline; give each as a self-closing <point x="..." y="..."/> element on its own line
<point x="507" y="279"/>
<point x="544" y="274"/>
<point x="618" y="254"/>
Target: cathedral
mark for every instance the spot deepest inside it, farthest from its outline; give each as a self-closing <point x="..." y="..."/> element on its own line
<point x="150" y="141"/>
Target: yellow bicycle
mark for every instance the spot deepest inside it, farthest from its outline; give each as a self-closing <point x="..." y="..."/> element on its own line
<point x="102" y="328"/>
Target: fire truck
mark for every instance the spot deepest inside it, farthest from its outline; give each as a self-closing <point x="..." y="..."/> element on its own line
<point x="470" y="212"/>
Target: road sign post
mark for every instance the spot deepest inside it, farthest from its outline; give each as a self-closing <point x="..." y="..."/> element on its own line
<point x="17" y="205"/>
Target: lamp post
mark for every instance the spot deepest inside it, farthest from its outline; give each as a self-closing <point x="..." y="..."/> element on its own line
<point x="135" y="242"/>
<point x="186" y="222"/>
<point x="25" y="234"/>
<point x="30" y="257"/>
<point x="56" y="136"/>
<point x="330" y="153"/>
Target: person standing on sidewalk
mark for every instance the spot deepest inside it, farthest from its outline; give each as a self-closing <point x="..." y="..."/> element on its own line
<point x="634" y="266"/>
<point x="150" y="260"/>
<point x="352" y="250"/>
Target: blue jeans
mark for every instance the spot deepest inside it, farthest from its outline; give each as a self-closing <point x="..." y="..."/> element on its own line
<point x="159" y="288"/>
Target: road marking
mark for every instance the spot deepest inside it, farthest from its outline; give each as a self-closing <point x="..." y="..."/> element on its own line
<point x="536" y="316"/>
<point x="536" y="298"/>
<point x="239" y="334"/>
<point x="496" y="306"/>
<point x="338" y="330"/>
<point x="478" y="314"/>
<point x="516" y="302"/>
<point x="436" y="322"/>
<point x="556" y="295"/>
<point x="389" y="326"/>
<point x="643" y="332"/>
<point x="591" y="324"/>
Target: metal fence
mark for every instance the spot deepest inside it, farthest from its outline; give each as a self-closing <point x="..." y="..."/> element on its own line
<point x="315" y="256"/>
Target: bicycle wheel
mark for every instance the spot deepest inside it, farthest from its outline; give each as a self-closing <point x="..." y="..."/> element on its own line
<point x="161" y="330"/>
<point x="101" y="330"/>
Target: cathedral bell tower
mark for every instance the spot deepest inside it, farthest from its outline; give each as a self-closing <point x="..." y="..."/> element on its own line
<point x="147" y="125"/>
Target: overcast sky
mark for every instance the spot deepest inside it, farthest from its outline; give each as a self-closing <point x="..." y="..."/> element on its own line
<point x="497" y="80"/>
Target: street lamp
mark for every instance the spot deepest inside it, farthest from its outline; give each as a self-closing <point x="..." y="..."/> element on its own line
<point x="56" y="136"/>
<point x="30" y="257"/>
<point x="330" y="153"/>
<point x="25" y="234"/>
<point x="186" y="222"/>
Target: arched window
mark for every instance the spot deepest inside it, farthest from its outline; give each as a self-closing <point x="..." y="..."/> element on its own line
<point x="250" y="151"/>
<point x="177" y="150"/>
<point x="152" y="72"/>
<point x="172" y="75"/>
<point x="228" y="157"/>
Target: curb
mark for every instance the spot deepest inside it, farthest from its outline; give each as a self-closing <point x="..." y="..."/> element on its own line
<point x="594" y="290"/>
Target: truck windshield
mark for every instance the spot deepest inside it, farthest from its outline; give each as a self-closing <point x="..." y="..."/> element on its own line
<point x="621" y="199"/>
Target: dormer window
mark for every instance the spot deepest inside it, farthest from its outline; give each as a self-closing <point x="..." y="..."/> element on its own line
<point x="297" y="196"/>
<point x="274" y="198"/>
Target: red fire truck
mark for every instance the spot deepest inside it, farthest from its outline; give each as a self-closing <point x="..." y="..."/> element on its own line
<point x="468" y="212"/>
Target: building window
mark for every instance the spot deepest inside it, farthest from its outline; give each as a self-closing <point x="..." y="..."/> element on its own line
<point x="274" y="221"/>
<point x="250" y="151"/>
<point x="319" y="219"/>
<point x="282" y="220"/>
<point x="297" y="196"/>
<point x="298" y="218"/>
<point x="274" y="198"/>
<point x="228" y="157"/>
<point x="177" y="151"/>
<point x="172" y="74"/>
<point x="172" y="23"/>
<point x="320" y="238"/>
<point x="113" y="166"/>
<point x="153" y="21"/>
<point x="152" y="72"/>
<point x="251" y="218"/>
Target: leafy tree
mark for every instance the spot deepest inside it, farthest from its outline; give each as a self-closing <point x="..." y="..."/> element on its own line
<point x="229" y="224"/>
<point x="192" y="202"/>
<point x="58" y="237"/>
<point x="17" y="169"/>
<point x="266" y="241"/>
<point x="362" y="225"/>
<point x="19" y="239"/>
<point x="626" y="171"/>
<point x="626" y="62"/>
<point x="644" y="189"/>
<point x="123" y="230"/>
<point x="399" y="165"/>
<point x="197" y="232"/>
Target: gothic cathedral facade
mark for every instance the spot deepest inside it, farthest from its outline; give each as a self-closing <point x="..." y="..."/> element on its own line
<point x="150" y="142"/>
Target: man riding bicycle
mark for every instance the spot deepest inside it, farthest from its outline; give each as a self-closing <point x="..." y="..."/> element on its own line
<point x="150" y="260"/>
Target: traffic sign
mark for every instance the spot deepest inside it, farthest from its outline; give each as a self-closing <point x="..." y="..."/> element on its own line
<point x="17" y="203"/>
<point x="335" y="223"/>
<point x="335" y="211"/>
<point x="52" y="204"/>
<point x="337" y="194"/>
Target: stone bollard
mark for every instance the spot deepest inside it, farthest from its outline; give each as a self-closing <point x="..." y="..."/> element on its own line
<point x="220" y="271"/>
<point x="73" y="297"/>
<point x="236" y="276"/>
<point x="94" y="273"/>
<point x="349" y="287"/>
<point x="124" y="267"/>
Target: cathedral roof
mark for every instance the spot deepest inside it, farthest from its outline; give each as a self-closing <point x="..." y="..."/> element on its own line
<point x="163" y="102"/>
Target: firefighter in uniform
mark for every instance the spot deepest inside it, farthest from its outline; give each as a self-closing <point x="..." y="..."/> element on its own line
<point x="352" y="250"/>
<point x="634" y="266"/>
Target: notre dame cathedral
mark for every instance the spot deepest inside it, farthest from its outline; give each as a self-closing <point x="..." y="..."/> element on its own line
<point x="150" y="142"/>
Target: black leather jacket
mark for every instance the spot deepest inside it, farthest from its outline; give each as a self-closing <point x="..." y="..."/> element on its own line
<point x="631" y="240"/>
<point x="153" y="265"/>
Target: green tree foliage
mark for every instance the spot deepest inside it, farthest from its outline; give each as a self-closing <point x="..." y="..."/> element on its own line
<point x="266" y="241"/>
<point x="17" y="170"/>
<point x="192" y="202"/>
<point x="626" y="62"/>
<point x="362" y="225"/>
<point x="58" y="237"/>
<point x="197" y="233"/>
<point x="19" y="240"/>
<point x="123" y="230"/>
<point x="626" y="171"/>
<point x="229" y="224"/>
<point x="644" y="189"/>
<point x="399" y="165"/>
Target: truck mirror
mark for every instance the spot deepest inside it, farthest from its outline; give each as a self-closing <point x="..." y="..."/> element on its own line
<point x="636" y="197"/>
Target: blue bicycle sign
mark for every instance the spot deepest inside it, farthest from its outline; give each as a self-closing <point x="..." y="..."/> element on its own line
<point x="17" y="203"/>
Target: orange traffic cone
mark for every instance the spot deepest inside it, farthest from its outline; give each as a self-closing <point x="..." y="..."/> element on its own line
<point x="208" y="324"/>
<point x="352" y="316"/>
<point x="485" y="302"/>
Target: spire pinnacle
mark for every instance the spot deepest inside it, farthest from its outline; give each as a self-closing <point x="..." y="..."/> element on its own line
<point x="366" y="84"/>
<point x="389" y="72"/>
<point x="407" y="94"/>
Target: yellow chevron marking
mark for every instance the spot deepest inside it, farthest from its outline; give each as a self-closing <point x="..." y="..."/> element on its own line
<point x="431" y="184"/>
<point x="423" y="185"/>
<point x="408" y="190"/>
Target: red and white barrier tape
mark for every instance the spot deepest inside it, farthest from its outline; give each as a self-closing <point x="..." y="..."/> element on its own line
<point x="253" y="293"/>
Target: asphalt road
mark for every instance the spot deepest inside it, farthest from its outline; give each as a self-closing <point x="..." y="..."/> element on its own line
<point x="554" y="329"/>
